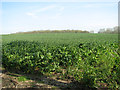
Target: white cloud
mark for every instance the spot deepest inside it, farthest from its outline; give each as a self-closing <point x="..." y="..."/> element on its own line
<point x="31" y="14"/>
<point x="45" y="8"/>
<point x="35" y="13"/>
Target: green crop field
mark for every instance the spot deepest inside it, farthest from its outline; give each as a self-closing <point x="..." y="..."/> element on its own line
<point x="62" y="37"/>
<point x="91" y="59"/>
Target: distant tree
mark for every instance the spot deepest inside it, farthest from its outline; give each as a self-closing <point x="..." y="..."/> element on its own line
<point x="101" y="30"/>
<point x="115" y="29"/>
<point x="109" y="30"/>
<point x="92" y="31"/>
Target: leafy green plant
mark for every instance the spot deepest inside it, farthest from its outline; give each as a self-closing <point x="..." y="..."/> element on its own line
<point x="22" y="78"/>
<point x="90" y="63"/>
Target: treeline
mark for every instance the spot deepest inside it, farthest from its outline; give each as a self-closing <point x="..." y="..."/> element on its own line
<point x="56" y="31"/>
<point x="109" y="30"/>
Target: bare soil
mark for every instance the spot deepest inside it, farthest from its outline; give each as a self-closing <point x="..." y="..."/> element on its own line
<point x="10" y="80"/>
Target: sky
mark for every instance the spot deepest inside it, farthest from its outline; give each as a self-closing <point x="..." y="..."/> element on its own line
<point x="30" y="16"/>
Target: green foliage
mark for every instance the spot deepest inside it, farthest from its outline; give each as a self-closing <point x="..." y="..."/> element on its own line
<point x="22" y="78"/>
<point x="88" y="62"/>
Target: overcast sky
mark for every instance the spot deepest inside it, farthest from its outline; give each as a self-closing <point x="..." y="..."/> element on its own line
<point x="29" y="16"/>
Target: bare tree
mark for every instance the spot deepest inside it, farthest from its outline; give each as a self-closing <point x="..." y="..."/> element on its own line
<point x="101" y="30"/>
<point x="92" y="31"/>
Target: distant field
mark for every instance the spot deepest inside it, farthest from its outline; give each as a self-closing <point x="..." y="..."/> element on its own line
<point x="61" y="37"/>
<point x="89" y="59"/>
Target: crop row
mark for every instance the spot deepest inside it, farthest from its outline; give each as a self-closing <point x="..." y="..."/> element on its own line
<point x="89" y="63"/>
